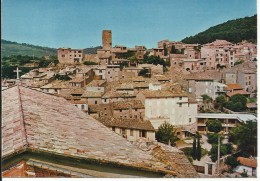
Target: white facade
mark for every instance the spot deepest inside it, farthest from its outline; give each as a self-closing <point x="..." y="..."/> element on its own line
<point x="134" y="134"/>
<point x="241" y="169"/>
<point x="176" y="111"/>
<point x="155" y="86"/>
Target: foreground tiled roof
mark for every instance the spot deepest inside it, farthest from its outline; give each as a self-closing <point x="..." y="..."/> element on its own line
<point x="127" y="123"/>
<point x="30" y="120"/>
<point x="247" y="162"/>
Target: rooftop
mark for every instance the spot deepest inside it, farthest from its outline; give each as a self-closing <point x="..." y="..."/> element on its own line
<point x="240" y="117"/>
<point x="247" y="162"/>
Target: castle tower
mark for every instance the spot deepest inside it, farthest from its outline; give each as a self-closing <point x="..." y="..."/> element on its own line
<point x="107" y="39"/>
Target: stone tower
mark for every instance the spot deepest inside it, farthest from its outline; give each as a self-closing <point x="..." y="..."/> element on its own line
<point x="107" y="39"/>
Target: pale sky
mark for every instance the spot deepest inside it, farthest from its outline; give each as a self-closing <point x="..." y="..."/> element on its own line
<point x="79" y="23"/>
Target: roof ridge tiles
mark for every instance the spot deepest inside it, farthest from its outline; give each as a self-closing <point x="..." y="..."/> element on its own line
<point x="22" y="114"/>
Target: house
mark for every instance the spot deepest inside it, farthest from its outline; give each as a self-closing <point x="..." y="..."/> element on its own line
<point x="70" y="56"/>
<point x="246" y="165"/>
<point x="233" y="89"/>
<point x="80" y="104"/>
<point x="55" y="87"/>
<point x="203" y="85"/>
<point x="131" y="129"/>
<point x="46" y="136"/>
<point x="228" y="121"/>
<point x="131" y="109"/>
<point x="92" y="98"/>
<point x="97" y="86"/>
<point x="112" y="96"/>
<point x="169" y="106"/>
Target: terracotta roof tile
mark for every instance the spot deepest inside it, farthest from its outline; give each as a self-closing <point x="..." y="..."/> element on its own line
<point x="134" y="104"/>
<point x="247" y="162"/>
<point x="233" y="87"/>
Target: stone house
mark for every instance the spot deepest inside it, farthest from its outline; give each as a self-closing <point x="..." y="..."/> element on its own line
<point x="112" y="96"/>
<point x="55" y="87"/>
<point x="92" y="98"/>
<point x="82" y="105"/>
<point x="204" y="85"/>
<point x="169" y="106"/>
<point x="247" y="79"/>
<point x="96" y="86"/>
<point x="131" y="129"/>
<point x="70" y="56"/>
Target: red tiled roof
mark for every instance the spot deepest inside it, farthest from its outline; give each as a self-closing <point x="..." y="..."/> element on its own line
<point x="247" y="162"/>
<point x="233" y="86"/>
<point x="243" y="92"/>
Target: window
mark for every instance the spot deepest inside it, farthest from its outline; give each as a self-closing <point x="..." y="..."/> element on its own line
<point x="131" y="132"/>
<point x="180" y="98"/>
<point x="105" y="108"/>
<point x="123" y="131"/>
<point x="108" y="72"/>
<point x="79" y="51"/>
<point x="63" y="55"/>
<point x="180" y="105"/>
<point x="95" y="102"/>
<point x="120" y="110"/>
<point x="142" y="133"/>
<point x="135" y="109"/>
<point x="82" y="106"/>
<point x="105" y="100"/>
<point x="113" y="128"/>
<point x="189" y="120"/>
<point x="100" y="71"/>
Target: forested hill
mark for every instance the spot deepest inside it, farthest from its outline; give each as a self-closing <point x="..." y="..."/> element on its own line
<point x="234" y="31"/>
<point x="9" y="48"/>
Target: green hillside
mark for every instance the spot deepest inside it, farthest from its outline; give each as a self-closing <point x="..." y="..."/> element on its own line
<point x="9" y="48"/>
<point x="234" y="31"/>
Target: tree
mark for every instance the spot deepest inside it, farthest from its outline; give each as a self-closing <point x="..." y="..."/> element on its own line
<point x="237" y="103"/>
<point x="198" y="156"/>
<point x="214" y="125"/>
<point x="224" y="150"/>
<point x="245" y="136"/>
<point x="165" y="134"/>
<point x="220" y="102"/>
<point x="232" y="162"/>
<point x="194" y="150"/>
<point x="206" y="98"/>
<point x="212" y="138"/>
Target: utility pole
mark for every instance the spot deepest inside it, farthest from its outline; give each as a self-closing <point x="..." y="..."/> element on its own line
<point x="218" y="154"/>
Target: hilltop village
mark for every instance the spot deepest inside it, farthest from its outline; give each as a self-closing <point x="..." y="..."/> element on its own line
<point x="138" y="93"/>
